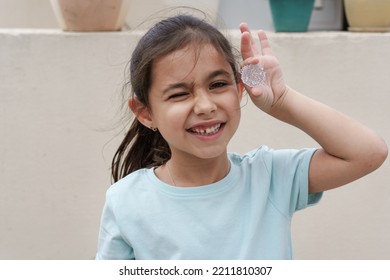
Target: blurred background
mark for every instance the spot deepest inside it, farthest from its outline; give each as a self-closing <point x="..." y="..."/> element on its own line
<point x="327" y="14"/>
<point x="61" y="119"/>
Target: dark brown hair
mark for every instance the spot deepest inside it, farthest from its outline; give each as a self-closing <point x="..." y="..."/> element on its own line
<point x="143" y="147"/>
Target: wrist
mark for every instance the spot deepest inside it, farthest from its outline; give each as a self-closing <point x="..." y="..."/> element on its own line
<point x="279" y="109"/>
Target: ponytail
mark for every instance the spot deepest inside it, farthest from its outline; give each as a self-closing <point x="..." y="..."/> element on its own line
<point x="141" y="148"/>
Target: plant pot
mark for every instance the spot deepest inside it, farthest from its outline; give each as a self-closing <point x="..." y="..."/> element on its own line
<point x="368" y="15"/>
<point x="291" y="16"/>
<point x="91" y="15"/>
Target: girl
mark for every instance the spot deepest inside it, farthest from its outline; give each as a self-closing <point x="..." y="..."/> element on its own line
<point x="178" y="193"/>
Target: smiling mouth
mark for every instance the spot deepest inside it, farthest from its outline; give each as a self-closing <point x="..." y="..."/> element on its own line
<point x="206" y="131"/>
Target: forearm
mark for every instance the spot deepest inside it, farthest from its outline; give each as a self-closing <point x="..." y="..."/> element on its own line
<point x="337" y="133"/>
<point x="354" y="148"/>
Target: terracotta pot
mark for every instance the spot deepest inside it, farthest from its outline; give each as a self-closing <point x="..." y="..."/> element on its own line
<point x="91" y="15"/>
<point x="368" y="15"/>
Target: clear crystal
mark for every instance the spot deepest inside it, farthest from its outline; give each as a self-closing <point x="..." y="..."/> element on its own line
<point x="253" y="75"/>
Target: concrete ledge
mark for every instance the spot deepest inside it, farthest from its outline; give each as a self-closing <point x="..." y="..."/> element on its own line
<point x="60" y="97"/>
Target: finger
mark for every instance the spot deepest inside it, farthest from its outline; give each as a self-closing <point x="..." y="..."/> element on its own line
<point x="264" y="43"/>
<point x="250" y="60"/>
<point x="244" y="27"/>
<point x="248" y="45"/>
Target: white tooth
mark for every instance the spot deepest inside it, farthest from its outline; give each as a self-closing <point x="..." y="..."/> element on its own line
<point x="207" y="130"/>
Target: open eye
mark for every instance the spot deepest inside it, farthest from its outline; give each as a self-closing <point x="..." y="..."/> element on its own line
<point x="218" y="84"/>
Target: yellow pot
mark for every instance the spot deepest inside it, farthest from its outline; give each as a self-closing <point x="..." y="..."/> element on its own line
<point x="368" y="15"/>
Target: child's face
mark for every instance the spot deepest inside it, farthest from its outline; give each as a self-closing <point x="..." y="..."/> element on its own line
<point x="195" y="102"/>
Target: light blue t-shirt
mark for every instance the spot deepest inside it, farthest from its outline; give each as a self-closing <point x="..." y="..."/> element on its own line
<point x="246" y="215"/>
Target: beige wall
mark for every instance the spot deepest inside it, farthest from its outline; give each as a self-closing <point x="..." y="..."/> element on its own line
<point x="59" y="107"/>
<point x="26" y="14"/>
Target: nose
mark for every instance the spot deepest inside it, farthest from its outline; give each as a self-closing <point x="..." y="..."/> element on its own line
<point x="204" y="104"/>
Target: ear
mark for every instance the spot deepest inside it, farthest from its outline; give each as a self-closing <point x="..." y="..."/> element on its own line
<point x="141" y="112"/>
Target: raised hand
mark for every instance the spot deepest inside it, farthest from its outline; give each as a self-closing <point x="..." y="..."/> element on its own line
<point x="267" y="95"/>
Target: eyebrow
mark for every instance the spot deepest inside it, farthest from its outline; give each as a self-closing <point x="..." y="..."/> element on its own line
<point x="219" y="72"/>
<point x="216" y="73"/>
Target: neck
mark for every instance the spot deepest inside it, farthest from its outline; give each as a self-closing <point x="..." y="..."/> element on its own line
<point x="195" y="172"/>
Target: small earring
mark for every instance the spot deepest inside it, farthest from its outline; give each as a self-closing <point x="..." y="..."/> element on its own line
<point x="154" y="129"/>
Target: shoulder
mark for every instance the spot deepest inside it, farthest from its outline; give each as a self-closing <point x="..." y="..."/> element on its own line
<point x="263" y="152"/>
<point x="281" y="173"/>
<point x="129" y="184"/>
<point x="266" y="161"/>
<point x="268" y="156"/>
